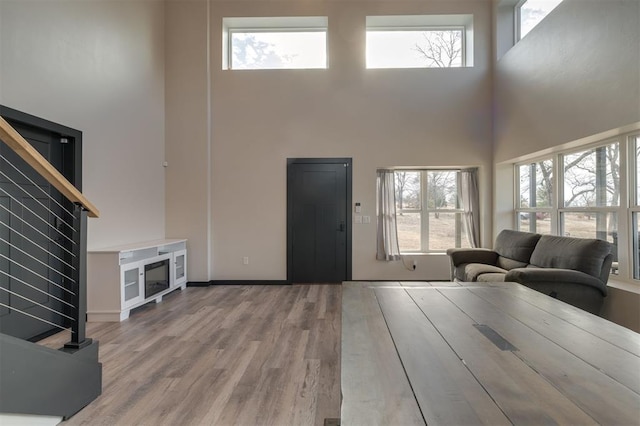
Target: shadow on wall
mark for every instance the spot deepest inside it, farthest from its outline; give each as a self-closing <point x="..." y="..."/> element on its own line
<point x="622" y="307"/>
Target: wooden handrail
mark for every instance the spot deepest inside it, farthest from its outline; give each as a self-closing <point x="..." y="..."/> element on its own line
<point x="28" y="153"/>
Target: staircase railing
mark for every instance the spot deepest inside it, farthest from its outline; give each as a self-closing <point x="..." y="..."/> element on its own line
<point x="44" y="247"/>
<point x="31" y="156"/>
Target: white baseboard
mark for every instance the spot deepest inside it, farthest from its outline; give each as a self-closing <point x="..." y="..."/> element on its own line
<point x="28" y="420"/>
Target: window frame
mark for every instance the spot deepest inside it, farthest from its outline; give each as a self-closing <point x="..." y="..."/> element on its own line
<point x="598" y="211"/>
<point x="533" y="211"/>
<point x="425" y="211"/>
<point x="634" y="202"/>
<point x="429" y="22"/>
<point x="517" y="16"/>
<point x="293" y="24"/>
<point x="420" y="28"/>
<point x="627" y="210"/>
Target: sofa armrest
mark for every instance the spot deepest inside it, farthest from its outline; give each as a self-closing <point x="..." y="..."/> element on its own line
<point x="554" y="276"/>
<point x="472" y="255"/>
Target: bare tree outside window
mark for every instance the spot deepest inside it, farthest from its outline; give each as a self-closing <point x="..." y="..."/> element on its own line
<point x="592" y="178"/>
<point x="443" y="204"/>
<point x="429" y="215"/>
<point x="536" y="184"/>
<point x="544" y="189"/>
<point x="592" y="197"/>
<point x="428" y="48"/>
<point x="442" y="190"/>
<point x="407" y="190"/>
<point x="441" y="49"/>
<point x="536" y="192"/>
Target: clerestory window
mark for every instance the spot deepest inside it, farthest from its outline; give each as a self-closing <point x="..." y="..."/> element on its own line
<point x="274" y="43"/>
<point x="419" y="41"/>
<point x="530" y="13"/>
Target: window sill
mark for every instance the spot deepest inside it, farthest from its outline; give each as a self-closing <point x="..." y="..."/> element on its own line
<point x="632" y="286"/>
<point x="413" y="253"/>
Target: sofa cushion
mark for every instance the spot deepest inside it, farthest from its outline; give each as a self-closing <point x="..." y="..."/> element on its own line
<point x="516" y="245"/>
<point x="491" y="277"/>
<point x="580" y="254"/>
<point x="555" y="276"/>
<point x="473" y="270"/>
<point x="509" y="264"/>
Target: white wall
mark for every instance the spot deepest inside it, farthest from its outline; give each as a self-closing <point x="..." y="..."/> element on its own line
<point x="187" y="131"/>
<point x="379" y="118"/>
<point x="97" y="66"/>
<point x="574" y="75"/>
<point x="574" y="79"/>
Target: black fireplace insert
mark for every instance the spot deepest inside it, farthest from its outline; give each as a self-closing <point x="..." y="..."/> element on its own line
<point x="156" y="277"/>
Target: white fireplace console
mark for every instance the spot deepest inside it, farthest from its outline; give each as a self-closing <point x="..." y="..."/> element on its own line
<point x="116" y="276"/>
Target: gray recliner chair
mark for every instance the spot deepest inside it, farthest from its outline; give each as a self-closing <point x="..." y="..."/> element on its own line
<point x="574" y="270"/>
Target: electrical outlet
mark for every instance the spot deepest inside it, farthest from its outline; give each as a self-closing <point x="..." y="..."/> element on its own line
<point x="245" y="260"/>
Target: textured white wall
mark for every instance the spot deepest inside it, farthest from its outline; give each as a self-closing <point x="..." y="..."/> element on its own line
<point x="574" y="75"/>
<point x="573" y="80"/>
<point x="260" y="118"/>
<point x="97" y="66"/>
<point x="417" y="117"/>
<point x="187" y="131"/>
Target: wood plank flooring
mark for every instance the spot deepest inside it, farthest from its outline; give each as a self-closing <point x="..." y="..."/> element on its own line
<point x="222" y="355"/>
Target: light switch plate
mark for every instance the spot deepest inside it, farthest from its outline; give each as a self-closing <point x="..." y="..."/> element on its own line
<point x="366" y="219"/>
<point x="358" y="218"/>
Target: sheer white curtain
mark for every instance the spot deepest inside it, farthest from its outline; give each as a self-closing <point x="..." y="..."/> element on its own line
<point x="471" y="205"/>
<point x="387" y="245"/>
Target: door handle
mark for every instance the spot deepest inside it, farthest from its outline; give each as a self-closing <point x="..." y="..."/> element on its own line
<point x="341" y="227"/>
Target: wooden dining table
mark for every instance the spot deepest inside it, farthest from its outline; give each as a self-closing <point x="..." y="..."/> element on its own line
<point x="416" y="353"/>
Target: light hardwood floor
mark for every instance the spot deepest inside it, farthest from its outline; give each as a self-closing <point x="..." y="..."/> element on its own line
<point x="221" y="355"/>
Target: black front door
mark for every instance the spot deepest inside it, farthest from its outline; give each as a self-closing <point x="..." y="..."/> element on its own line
<point x="319" y="220"/>
<point x="34" y="238"/>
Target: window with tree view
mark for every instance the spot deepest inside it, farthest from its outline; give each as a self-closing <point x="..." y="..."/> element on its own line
<point x="635" y="210"/>
<point x="583" y="201"/>
<point x="422" y="48"/>
<point x="419" y="41"/>
<point x="535" y="203"/>
<point x="592" y="193"/>
<point x="428" y="211"/>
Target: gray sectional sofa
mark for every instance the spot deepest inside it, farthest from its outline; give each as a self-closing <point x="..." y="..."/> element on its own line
<point x="574" y="270"/>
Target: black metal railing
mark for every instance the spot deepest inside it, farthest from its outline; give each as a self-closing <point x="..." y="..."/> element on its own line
<point x="43" y="255"/>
